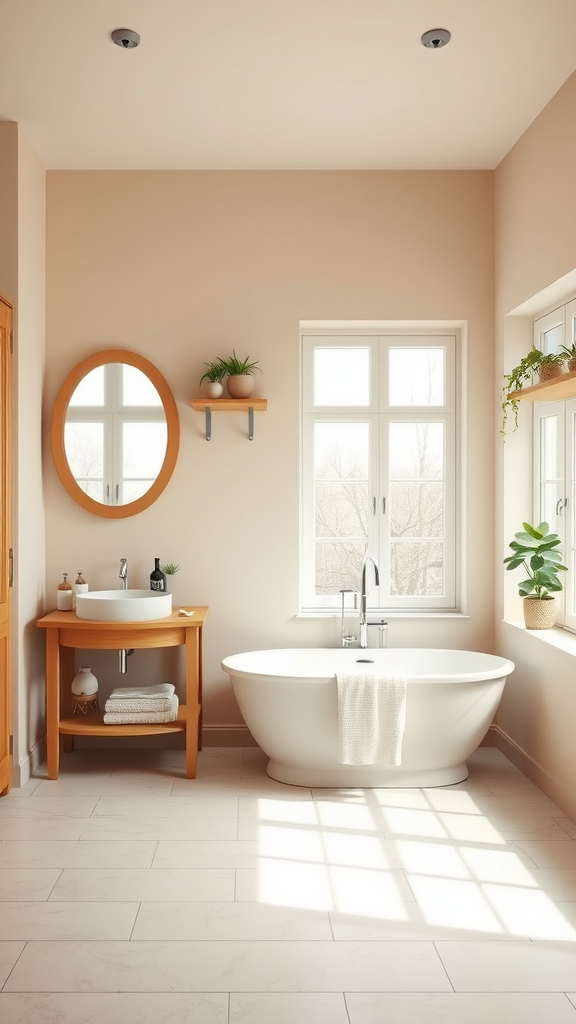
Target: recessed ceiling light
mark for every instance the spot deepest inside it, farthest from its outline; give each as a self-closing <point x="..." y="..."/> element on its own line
<point x="126" y="38"/>
<point x="435" y="38"/>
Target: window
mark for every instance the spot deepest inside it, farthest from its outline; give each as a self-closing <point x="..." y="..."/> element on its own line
<point x="555" y="459"/>
<point x="378" y="469"/>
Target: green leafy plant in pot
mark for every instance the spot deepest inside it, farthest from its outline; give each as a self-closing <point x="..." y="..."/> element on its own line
<point x="240" y="375"/>
<point x="215" y="374"/>
<point x="536" y="549"/>
<point x="532" y="364"/>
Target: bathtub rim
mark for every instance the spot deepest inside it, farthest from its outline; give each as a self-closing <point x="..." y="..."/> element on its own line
<point x="501" y="668"/>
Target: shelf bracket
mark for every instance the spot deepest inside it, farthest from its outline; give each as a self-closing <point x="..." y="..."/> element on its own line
<point x="208" y="413"/>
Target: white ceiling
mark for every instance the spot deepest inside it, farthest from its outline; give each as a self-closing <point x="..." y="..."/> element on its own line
<point x="245" y="84"/>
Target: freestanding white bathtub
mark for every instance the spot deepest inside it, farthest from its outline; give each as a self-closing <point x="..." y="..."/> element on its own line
<point x="289" y="702"/>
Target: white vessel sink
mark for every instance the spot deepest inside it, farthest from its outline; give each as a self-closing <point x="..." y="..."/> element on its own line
<point x="123" y="605"/>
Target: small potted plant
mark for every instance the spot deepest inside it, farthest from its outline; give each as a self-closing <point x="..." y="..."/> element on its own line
<point x="239" y="375"/>
<point x="537" y="551"/>
<point x="535" y="362"/>
<point x="215" y="374"/>
<point x="551" y="365"/>
<point x="170" y="569"/>
<point x="570" y="354"/>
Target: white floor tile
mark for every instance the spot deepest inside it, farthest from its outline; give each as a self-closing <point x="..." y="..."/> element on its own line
<point x="228" y="967"/>
<point x="65" y="921"/>
<point x="9" y="953"/>
<point x="458" y="1008"/>
<point x="85" y="854"/>
<point x="510" y="966"/>
<point x="148" y="885"/>
<point x="149" y="828"/>
<point x="116" y="1008"/>
<point x="196" y="921"/>
<point x="287" y="1008"/>
<point x="550" y="853"/>
<point x="191" y="805"/>
<point x="46" y="806"/>
<point x="206" y="854"/>
<point x="27" y="883"/>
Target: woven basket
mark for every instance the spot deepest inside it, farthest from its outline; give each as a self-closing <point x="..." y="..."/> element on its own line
<point x="572" y="365"/>
<point x="549" y="370"/>
<point x="539" y="614"/>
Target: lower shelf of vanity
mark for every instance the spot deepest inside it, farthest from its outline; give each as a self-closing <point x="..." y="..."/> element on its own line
<point x="93" y="725"/>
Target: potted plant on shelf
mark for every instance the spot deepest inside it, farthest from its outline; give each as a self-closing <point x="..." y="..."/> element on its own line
<point x="570" y="354"/>
<point x="239" y="375"/>
<point x="215" y="374"/>
<point x="551" y="365"/>
<point x="537" y="550"/>
<point x="535" y="362"/>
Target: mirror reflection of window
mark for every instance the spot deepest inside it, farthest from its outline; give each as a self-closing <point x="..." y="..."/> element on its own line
<point x="90" y="390"/>
<point x="115" y="436"/>
<point x="137" y="389"/>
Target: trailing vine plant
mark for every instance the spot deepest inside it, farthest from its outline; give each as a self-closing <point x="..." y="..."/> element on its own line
<point x="521" y="375"/>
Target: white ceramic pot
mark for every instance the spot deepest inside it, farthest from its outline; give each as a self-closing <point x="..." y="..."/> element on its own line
<point x="240" y="385"/>
<point x="84" y="683"/>
<point x="214" y="389"/>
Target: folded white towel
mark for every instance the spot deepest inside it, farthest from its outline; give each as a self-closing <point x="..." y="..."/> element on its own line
<point x="158" y="692"/>
<point x="143" y="717"/>
<point x="371" y="718"/>
<point x="121" y="705"/>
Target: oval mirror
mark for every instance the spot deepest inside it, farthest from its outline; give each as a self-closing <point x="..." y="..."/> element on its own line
<point x="115" y="433"/>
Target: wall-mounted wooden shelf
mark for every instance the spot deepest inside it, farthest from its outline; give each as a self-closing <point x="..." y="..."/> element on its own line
<point x="554" y="390"/>
<point x="210" y="405"/>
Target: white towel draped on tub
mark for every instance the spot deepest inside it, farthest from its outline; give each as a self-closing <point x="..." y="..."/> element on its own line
<point x="371" y="718"/>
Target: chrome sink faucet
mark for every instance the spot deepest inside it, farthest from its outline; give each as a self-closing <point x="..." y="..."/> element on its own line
<point x="363" y="642"/>
<point x="123" y="574"/>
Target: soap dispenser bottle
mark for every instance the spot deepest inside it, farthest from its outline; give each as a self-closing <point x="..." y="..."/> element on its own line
<point x="80" y="587"/>
<point x="64" y="595"/>
<point x="157" y="578"/>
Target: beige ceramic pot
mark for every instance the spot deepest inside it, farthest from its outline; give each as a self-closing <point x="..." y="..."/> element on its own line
<point x="240" y="385"/>
<point x="539" y="614"/>
<point x="214" y="389"/>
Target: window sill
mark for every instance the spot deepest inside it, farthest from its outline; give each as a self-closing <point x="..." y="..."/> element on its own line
<point x="562" y="639"/>
<point x="330" y="613"/>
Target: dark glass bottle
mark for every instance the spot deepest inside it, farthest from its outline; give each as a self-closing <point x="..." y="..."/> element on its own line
<point x="157" y="577"/>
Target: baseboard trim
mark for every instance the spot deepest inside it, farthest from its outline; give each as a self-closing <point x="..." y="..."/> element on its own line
<point x="23" y="770"/>
<point x="227" y="736"/>
<point x="552" y="787"/>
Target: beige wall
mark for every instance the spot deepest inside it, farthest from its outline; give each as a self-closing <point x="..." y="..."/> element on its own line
<point x="22" y="281"/>
<point x="181" y="266"/>
<point x="535" y="264"/>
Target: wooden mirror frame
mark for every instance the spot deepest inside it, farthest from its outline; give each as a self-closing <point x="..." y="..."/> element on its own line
<point x="115" y="355"/>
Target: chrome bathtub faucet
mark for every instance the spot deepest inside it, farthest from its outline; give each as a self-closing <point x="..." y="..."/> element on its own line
<point x="363" y="599"/>
<point x="346" y="639"/>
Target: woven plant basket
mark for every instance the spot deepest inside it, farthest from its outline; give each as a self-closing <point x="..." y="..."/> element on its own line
<point x="549" y="370"/>
<point x="572" y="365"/>
<point x="539" y="614"/>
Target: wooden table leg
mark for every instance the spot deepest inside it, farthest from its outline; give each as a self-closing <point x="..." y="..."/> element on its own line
<point x="66" y="677"/>
<point x="192" y="671"/>
<point x="53" y="702"/>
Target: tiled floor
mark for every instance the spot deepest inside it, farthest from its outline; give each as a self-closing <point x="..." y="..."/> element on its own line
<point x="132" y="895"/>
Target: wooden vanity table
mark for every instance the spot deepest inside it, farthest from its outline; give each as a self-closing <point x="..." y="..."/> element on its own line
<point x="65" y="632"/>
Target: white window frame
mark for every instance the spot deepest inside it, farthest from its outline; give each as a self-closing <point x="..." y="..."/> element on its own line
<point x="379" y="414"/>
<point x="563" y="518"/>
